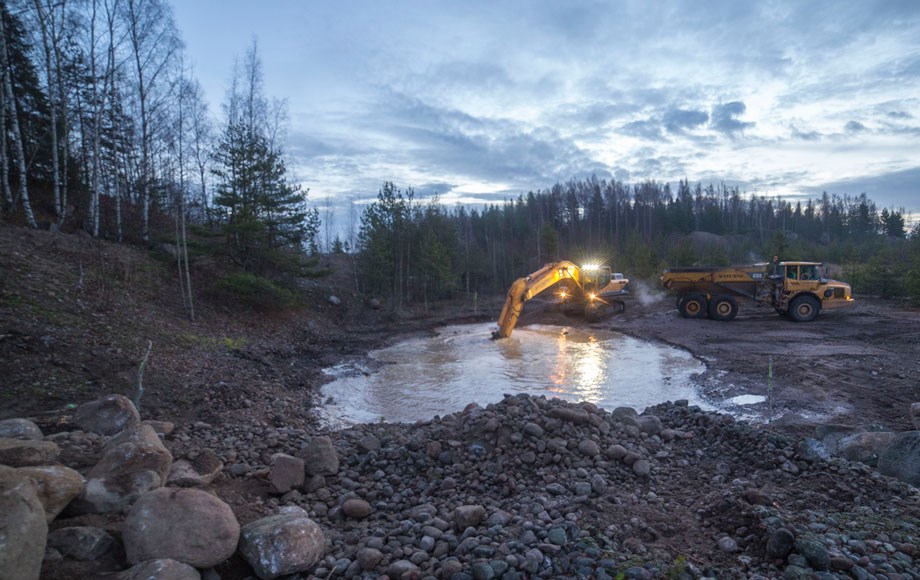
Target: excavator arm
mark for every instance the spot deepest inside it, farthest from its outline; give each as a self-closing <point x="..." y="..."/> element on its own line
<point x="523" y="289"/>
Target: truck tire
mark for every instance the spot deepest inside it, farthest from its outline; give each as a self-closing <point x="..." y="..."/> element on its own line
<point x="723" y="308"/>
<point x="804" y="308"/>
<point x="693" y="306"/>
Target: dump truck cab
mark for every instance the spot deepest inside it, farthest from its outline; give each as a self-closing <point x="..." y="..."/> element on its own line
<point x="802" y="289"/>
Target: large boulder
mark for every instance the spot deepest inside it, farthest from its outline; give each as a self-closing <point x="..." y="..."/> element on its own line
<point x="286" y="543"/>
<point x="187" y="524"/>
<point x="133" y="463"/>
<point x="319" y="456"/>
<point x="107" y="415"/>
<point x="915" y="414"/>
<point x="901" y="458"/>
<point x="864" y="447"/>
<point x="56" y="485"/>
<point x="20" y="429"/>
<point x="26" y="452"/>
<point x="23" y="530"/>
<point x="159" y="570"/>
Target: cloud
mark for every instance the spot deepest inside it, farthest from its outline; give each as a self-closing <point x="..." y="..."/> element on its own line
<point x="648" y="129"/>
<point x="724" y="120"/>
<point x="679" y="120"/>
<point x="854" y="127"/>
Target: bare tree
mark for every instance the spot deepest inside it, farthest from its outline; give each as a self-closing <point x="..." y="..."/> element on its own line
<point x="154" y="44"/>
<point x="12" y="110"/>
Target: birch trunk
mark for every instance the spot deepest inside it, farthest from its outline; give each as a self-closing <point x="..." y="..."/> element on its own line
<point x="14" y="127"/>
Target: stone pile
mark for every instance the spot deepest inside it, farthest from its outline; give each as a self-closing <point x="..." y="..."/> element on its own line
<point x="528" y="487"/>
<point x="160" y="533"/>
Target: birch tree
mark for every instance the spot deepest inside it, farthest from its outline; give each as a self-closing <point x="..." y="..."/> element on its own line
<point x="11" y="111"/>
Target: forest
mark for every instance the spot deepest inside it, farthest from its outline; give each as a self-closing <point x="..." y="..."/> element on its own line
<point x="105" y="131"/>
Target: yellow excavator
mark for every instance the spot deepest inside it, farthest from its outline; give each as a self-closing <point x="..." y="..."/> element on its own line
<point x="593" y="286"/>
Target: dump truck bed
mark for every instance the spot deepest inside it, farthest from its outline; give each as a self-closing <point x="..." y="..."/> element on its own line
<point x="736" y="280"/>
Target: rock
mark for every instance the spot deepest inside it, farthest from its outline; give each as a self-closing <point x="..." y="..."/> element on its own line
<point x="621" y="413"/>
<point x="26" y="452"/>
<point x="20" y="429"/>
<point x="533" y="430"/>
<point x="107" y="415"/>
<point x="286" y="543"/>
<point x="728" y="545"/>
<point x="23" y="530"/>
<point x="569" y="415"/>
<point x="466" y="516"/>
<point x="649" y="424"/>
<point x="165" y="569"/>
<point x="334" y="300"/>
<point x="163" y="428"/>
<point x="374" y="304"/>
<point x="197" y="472"/>
<point x="816" y="554"/>
<point x="864" y="447"/>
<point x="56" y="485"/>
<point x="81" y="542"/>
<point x="589" y="448"/>
<point x="356" y="509"/>
<point x="188" y="525"/>
<point x="616" y="452"/>
<point x="133" y="463"/>
<point x="368" y="443"/>
<point x="642" y="467"/>
<point x="402" y="569"/>
<point x="779" y="544"/>
<point x="287" y="473"/>
<point x="369" y="558"/>
<point x="915" y="414"/>
<point x="319" y="456"/>
<point x="901" y="458"/>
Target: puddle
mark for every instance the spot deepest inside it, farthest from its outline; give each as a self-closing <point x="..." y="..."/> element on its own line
<point x="419" y="378"/>
<point x="747" y="399"/>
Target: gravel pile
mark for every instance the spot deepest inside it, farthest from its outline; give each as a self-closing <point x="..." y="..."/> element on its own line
<point x="536" y="487"/>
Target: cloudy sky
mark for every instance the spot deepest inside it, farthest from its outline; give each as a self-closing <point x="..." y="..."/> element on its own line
<point x="482" y="100"/>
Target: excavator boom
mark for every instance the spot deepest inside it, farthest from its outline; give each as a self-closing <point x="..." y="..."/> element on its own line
<point x="523" y="289"/>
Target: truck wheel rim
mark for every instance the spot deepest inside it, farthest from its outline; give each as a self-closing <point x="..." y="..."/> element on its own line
<point x="804" y="310"/>
<point x="693" y="307"/>
<point x="723" y="308"/>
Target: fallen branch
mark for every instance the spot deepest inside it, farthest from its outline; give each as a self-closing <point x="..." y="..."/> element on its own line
<point x="139" y="389"/>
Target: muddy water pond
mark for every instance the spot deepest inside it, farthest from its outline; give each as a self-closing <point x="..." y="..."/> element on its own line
<point x="419" y="378"/>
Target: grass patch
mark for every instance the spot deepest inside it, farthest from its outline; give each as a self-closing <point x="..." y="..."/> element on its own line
<point x="213" y="342"/>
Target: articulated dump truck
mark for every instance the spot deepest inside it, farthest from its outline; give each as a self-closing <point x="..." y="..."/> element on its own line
<point x="593" y="287"/>
<point x="799" y="290"/>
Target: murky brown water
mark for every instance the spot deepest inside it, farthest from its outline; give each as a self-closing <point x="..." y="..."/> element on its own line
<point x="424" y="377"/>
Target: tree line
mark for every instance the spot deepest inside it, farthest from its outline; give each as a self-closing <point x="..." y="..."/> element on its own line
<point x="412" y="251"/>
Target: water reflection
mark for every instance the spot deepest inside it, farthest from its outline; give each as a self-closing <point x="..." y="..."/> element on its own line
<point x="423" y="377"/>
